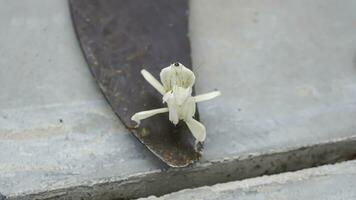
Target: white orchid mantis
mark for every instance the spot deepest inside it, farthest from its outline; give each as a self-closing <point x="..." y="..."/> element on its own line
<point x="176" y="89"/>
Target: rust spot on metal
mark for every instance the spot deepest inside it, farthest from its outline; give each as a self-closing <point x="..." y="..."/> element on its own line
<point x="144" y="132"/>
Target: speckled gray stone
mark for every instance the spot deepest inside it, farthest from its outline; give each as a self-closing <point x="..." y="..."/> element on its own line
<point x="286" y="70"/>
<point x="332" y="182"/>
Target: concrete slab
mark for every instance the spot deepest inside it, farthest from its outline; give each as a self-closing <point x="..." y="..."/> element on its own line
<point x="332" y="182"/>
<point x="286" y="70"/>
<point x="56" y="128"/>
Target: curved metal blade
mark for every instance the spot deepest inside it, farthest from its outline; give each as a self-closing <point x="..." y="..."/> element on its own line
<point x="121" y="37"/>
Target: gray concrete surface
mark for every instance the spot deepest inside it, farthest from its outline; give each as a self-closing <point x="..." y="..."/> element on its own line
<point x="331" y="182"/>
<point x="56" y="129"/>
<point x="286" y="70"/>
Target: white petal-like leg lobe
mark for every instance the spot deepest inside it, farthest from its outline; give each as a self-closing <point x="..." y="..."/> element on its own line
<point x="146" y="114"/>
<point x="173" y="114"/>
<point x="207" y="96"/>
<point x="172" y="107"/>
<point x="188" y="108"/>
<point x="197" y="129"/>
<point x="153" y="81"/>
<point x="180" y="95"/>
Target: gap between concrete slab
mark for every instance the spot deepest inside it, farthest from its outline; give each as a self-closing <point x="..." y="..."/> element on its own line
<point x="219" y="171"/>
<point x="317" y="183"/>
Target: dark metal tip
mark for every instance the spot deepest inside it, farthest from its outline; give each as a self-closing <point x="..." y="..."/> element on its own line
<point x="176" y="64"/>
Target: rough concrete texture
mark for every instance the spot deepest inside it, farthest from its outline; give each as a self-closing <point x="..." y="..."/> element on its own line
<point x="286" y="70"/>
<point x="332" y="182"/>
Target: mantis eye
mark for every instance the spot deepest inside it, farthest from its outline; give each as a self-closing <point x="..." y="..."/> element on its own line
<point x="176" y="64"/>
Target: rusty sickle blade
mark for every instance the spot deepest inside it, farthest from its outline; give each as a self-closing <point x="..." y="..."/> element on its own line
<point x="121" y="37"/>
